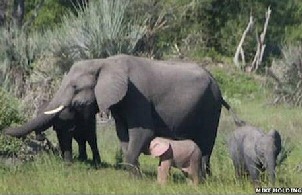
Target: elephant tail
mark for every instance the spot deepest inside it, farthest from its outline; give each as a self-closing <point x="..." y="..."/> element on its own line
<point x="237" y="120"/>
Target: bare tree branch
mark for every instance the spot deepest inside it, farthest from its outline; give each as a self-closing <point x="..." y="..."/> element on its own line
<point x="239" y="47"/>
<point x="261" y="46"/>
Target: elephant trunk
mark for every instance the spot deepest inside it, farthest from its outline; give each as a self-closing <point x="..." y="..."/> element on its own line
<point x="61" y="99"/>
<point x="40" y="123"/>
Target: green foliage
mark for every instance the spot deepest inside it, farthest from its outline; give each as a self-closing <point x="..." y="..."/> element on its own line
<point x="48" y="14"/>
<point x="215" y="26"/>
<point x="98" y="31"/>
<point x="19" y="50"/>
<point x="8" y="110"/>
<point x="9" y="145"/>
<point x="8" y="115"/>
<point x="235" y="84"/>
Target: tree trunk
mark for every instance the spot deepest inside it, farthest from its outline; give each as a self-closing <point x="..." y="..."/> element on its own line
<point x="18" y="12"/>
<point x="3" y="7"/>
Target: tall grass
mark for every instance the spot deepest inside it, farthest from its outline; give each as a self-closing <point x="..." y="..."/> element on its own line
<point x="286" y="74"/>
<point x="99" y="30"/>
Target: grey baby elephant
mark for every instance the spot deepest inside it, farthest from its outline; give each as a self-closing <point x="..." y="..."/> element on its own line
<point x="253" y="151"/>
<point x="182" y="154"/>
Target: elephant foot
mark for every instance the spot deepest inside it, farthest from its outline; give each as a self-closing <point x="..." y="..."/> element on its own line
<point x="134" y="171"/>
<point x="82" y="158"/>
<point x="67" y="163"/>
<point x="97" y="163"/>
<point x="257" y="184"/>
<point x="67" y="156"/>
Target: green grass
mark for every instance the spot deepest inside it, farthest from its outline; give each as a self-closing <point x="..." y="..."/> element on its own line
<point x="49" y="175"/>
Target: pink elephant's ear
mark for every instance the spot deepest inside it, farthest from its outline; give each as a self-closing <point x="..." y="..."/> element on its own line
<point x="158" y="148"/>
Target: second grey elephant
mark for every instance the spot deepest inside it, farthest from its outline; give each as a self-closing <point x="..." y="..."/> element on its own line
<point x="182" y="154"/>
<point x="77" y="124"/>
<point x="253" y="151"/>
<point x="146" y="97"/>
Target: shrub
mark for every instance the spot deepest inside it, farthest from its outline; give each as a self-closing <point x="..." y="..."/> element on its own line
<point x="236" y="84"/>
<point x="9" y="145"/>
<point x="8" y="115"/>
<point x="99" y="30"/>
<point x="287" y="76"/>
<point x="8" y="110"/>
<point x="18" y="51"/>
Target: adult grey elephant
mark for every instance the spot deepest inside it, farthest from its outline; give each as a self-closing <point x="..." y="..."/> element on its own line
<point x="146" y="97"/>
<point x="253" y="151"/>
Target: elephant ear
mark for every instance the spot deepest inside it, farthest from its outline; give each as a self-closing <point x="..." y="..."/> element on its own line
<point x="112" y="85"/>
<point x="158" y="148"/>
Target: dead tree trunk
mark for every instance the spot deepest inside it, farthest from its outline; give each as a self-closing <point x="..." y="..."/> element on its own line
<point x="239" y="49"/>
<point x="18" y="12"/>
<point x="3" y="7"/>
<point x="260" y="45"/>
<point x="257" y="60"/>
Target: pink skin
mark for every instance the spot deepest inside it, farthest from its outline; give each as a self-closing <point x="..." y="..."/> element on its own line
<point x="182" y="154"/>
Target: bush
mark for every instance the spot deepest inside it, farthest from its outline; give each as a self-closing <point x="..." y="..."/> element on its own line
<point x="8" y="115"/>
<point x="9" y="145"/>
<point x="287" y="76"/>
<point x="235" y="84"/>
<point x="98" y="31"/>
<point x="19" y="50"/>
<point x="9" y="110"/>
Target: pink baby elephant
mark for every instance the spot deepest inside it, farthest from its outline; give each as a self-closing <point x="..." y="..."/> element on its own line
<point x="182" y="154"/>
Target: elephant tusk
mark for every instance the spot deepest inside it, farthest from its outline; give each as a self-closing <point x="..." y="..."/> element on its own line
<point x="56" y="110"/>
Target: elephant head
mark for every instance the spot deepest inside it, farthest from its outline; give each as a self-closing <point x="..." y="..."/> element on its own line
<point x="103" y="81"/>
<point x="267" y="148"/>
<point x="158" y="148"/>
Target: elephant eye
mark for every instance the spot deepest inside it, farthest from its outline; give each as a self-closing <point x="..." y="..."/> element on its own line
<point x="75" y="88"/>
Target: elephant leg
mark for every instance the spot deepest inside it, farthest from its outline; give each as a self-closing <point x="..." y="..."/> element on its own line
<point x="65" y="142"/>
<point x="206" y="138"/>
<point x="205" y="164"/>
<point x="163" y="171"/>
<point x="253" y="172"/>
<point x="121" y="131"/>
<point x="138" y="138"/>
<point x="82" y="149"/>
<point x="92" y="140"/>
<point x="195" y="170"/>
<point x="122" y="134"/>
<point x="240" y="168"/>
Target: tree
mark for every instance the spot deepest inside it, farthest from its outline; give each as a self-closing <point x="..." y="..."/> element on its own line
<point x="3" y="5"/>
<point x="18" y="12"/>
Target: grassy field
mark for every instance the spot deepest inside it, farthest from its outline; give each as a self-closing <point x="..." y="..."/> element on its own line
<point x="49" y="175"/>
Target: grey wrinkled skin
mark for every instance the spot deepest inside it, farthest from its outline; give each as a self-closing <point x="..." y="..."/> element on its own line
<point x="79" y="124"/>
<point x="146" y="97"/>
<point x="182" y="154"/>
<point x="253" y="151"/>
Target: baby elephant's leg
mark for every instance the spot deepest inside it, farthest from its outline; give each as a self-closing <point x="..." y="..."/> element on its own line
<point x="194" y="171"/>
<point x="163" y="171"/>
